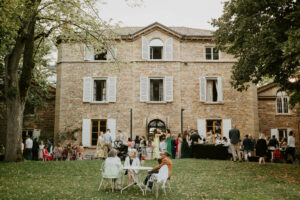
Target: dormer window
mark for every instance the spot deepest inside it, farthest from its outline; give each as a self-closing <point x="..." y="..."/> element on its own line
<point x="102" y="55"/>
<point x="156" y="49"/>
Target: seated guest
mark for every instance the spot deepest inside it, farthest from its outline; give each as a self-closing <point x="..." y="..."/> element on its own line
<point x="46" y="155"/>
<point x="131" y="161"/>
<point x="113" y="167"/>
<point x="165" y="160"/>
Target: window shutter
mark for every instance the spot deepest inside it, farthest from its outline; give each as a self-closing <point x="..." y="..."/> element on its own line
<point x="112" y="89"/>
<point x="202" y="83"/>
<point x="88" y="53"/>
<point x="111" y="124"/>
<point x="144" y="94"/>
<point x="86" y="132"/>
<point x="275" y="132"/>
<point x="219" y="88"/>
<point x="87" y="89"/>
<point x="169" y="49"/>
<point x="145" y="48"/>
<point x="111" y="54"/>
<point x="226" y="127"/>
<point x="168" y="88"/>
<point x="201" y="126"/>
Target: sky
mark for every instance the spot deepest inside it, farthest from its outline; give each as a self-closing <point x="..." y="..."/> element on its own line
<point x="188" y="13"/>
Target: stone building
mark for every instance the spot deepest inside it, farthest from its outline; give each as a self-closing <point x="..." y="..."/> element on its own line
<point x="163" y="73"/>
<point x="275" y="115"/>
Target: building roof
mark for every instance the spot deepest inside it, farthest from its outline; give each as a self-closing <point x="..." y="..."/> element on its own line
<point x="179" y="31"/>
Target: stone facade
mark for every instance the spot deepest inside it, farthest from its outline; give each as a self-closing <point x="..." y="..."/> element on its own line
<point x="269" y="119"/>
<point x="186" y="67"/>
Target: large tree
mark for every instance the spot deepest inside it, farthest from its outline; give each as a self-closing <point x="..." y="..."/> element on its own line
<point x="264" y="37"/>
<point x="24" y="26"/>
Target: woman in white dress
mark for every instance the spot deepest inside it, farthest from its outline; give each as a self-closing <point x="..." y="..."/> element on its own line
<point x="41" y="147"/>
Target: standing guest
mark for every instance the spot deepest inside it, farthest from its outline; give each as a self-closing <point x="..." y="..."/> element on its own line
<point x="165" y="160"/>
<point x="291" y="147"/>
<point x="49" y="149"/>
<point x="137" y="143"/>
<point x="131" y="161"/>
<point x="163" y="145"/>
<point x="57" y="151"/>
<point x="107" y="142"/>
<point x="155" y="144"/>
<point x="69" y="155"/>
<point x="120" y="136"/>
<point x="65" y="153"/>
<point x="28" y="148"/>
<point x="195" y="138"/>
<point x="46" y="155"/>
<point x="130" y="144"/>
<point x="41" y="147"/>
<point x="173" y="146"/>
<point x="35" y="149"/>
<point x="234" y="136"/>
<point x="253" y="143"/>
<point x="261" y="149"/>
<point x="168" y="142"/>
<point x="226" y="143"/>
<point x="74" y="152"/>
<point x="179" y="143"/>
<point x="185" y="149"/>
<point x="100" y="147"/>
<point x="247" y="147"/>
<point x="272" y="146"/>
<point x="80" y="151"/>
<point x="143" y="145"/>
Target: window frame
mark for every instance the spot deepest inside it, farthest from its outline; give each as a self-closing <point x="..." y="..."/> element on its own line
<point x="282" y="97"/>
<point x="149" y="89"/>
<point x="214" y="127"/>
<point x="217" y="82"/>
<point x="162" y="50"/>
<point x="99" y="122"/>
<point x="106" y="88"/>
<point x="212" y="53"/>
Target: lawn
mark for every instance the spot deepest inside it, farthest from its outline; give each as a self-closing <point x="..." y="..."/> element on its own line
<point x="192" y="179"/>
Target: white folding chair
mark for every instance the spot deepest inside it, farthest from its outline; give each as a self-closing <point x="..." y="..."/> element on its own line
<point x="102" y="172"/>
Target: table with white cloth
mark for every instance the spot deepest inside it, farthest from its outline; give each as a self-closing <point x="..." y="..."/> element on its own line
<point x="135" y="178"/>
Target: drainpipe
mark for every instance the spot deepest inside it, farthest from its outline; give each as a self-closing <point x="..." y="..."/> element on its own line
<point x="181" y="124"/>
<point x="131" y="123"/>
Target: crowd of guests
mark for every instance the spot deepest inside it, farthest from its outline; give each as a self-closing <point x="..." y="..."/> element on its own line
<point x="38" y="150"/>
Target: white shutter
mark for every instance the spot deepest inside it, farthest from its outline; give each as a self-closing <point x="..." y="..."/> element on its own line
<point x="219" y="88"/>
<point x="87" y="89"/>
<point x="169" y="49"/>
<point x="36" y="133"/>
<point x="226" y="127"/>
<point x="202" y="83"/>
<point x="88" y="53"/>
<point x="145" y="48"/>
<point x="86" y="132"/>
<point x="201" y="126"/>
<point x="112" y="89"/>
<point x="144" y="94"/>
<point x="168" y="88"/>
<point x="111" y="124"/>
<point x="111" y="54"/>
<point x="275" y="132"/>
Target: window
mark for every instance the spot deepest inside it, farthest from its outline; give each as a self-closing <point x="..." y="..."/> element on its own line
<point x="215" y="126"/>
<point x="99" y="90"/>
<point x="282" y="134"/>
<point x="282" y="106"/>
<point x="98" y="126"/>
<point x="211" y="53"/>
<point x="156" y="49"/>
<point x="101" y="55"/>
<point x="156" y="89"/>
<point x="211" y="90"/>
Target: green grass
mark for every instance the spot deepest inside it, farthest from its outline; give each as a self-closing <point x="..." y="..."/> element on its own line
<point x="191" y="179"/>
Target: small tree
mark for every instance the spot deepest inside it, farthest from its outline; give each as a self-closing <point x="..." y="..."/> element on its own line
<point x="264" y="36"/>
<point x="24" y="27"/>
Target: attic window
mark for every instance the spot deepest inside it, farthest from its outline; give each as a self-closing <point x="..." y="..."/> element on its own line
<point x="101" y="55"/>
<point x="156" y="49"/>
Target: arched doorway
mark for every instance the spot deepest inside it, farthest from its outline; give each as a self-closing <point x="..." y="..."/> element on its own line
<point x="155" y="124"/>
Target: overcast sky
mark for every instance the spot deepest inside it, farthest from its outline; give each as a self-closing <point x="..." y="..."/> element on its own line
<point x="189" y="13"/>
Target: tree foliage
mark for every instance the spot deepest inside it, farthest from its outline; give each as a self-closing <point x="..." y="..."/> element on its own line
<point x="264" y="37"/>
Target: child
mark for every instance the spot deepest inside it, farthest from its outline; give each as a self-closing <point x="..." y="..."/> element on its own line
<point x="80" y="152"/>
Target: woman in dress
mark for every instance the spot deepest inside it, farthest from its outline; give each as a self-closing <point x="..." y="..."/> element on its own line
<point x="185" y="149"/>
<point x="100" y="147"/>
<point x="41" y="147"/>
<point x="131" y="161"/>
<point x="179" y="142"/>
<point x="168" y="141"/>
<point x="261" y="149"/>
<point x="46" y="155"/>
<point x="157" y="134"/>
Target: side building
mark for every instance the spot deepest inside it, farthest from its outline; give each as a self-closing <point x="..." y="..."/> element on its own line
<point x="165" y="76"/>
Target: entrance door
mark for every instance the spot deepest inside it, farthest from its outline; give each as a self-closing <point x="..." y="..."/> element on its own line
<point x="155" y="124"/>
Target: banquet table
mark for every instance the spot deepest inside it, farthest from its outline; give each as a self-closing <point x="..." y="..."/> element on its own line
<point x="210" y="151"/>
<point x="135" y="178"/>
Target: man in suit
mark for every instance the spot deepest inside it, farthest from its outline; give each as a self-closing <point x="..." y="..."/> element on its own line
<point x="173" y="146"/>
<point x="234" y="135"/>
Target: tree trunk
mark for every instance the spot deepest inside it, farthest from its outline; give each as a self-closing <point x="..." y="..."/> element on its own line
<point x="15" y="110"/>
